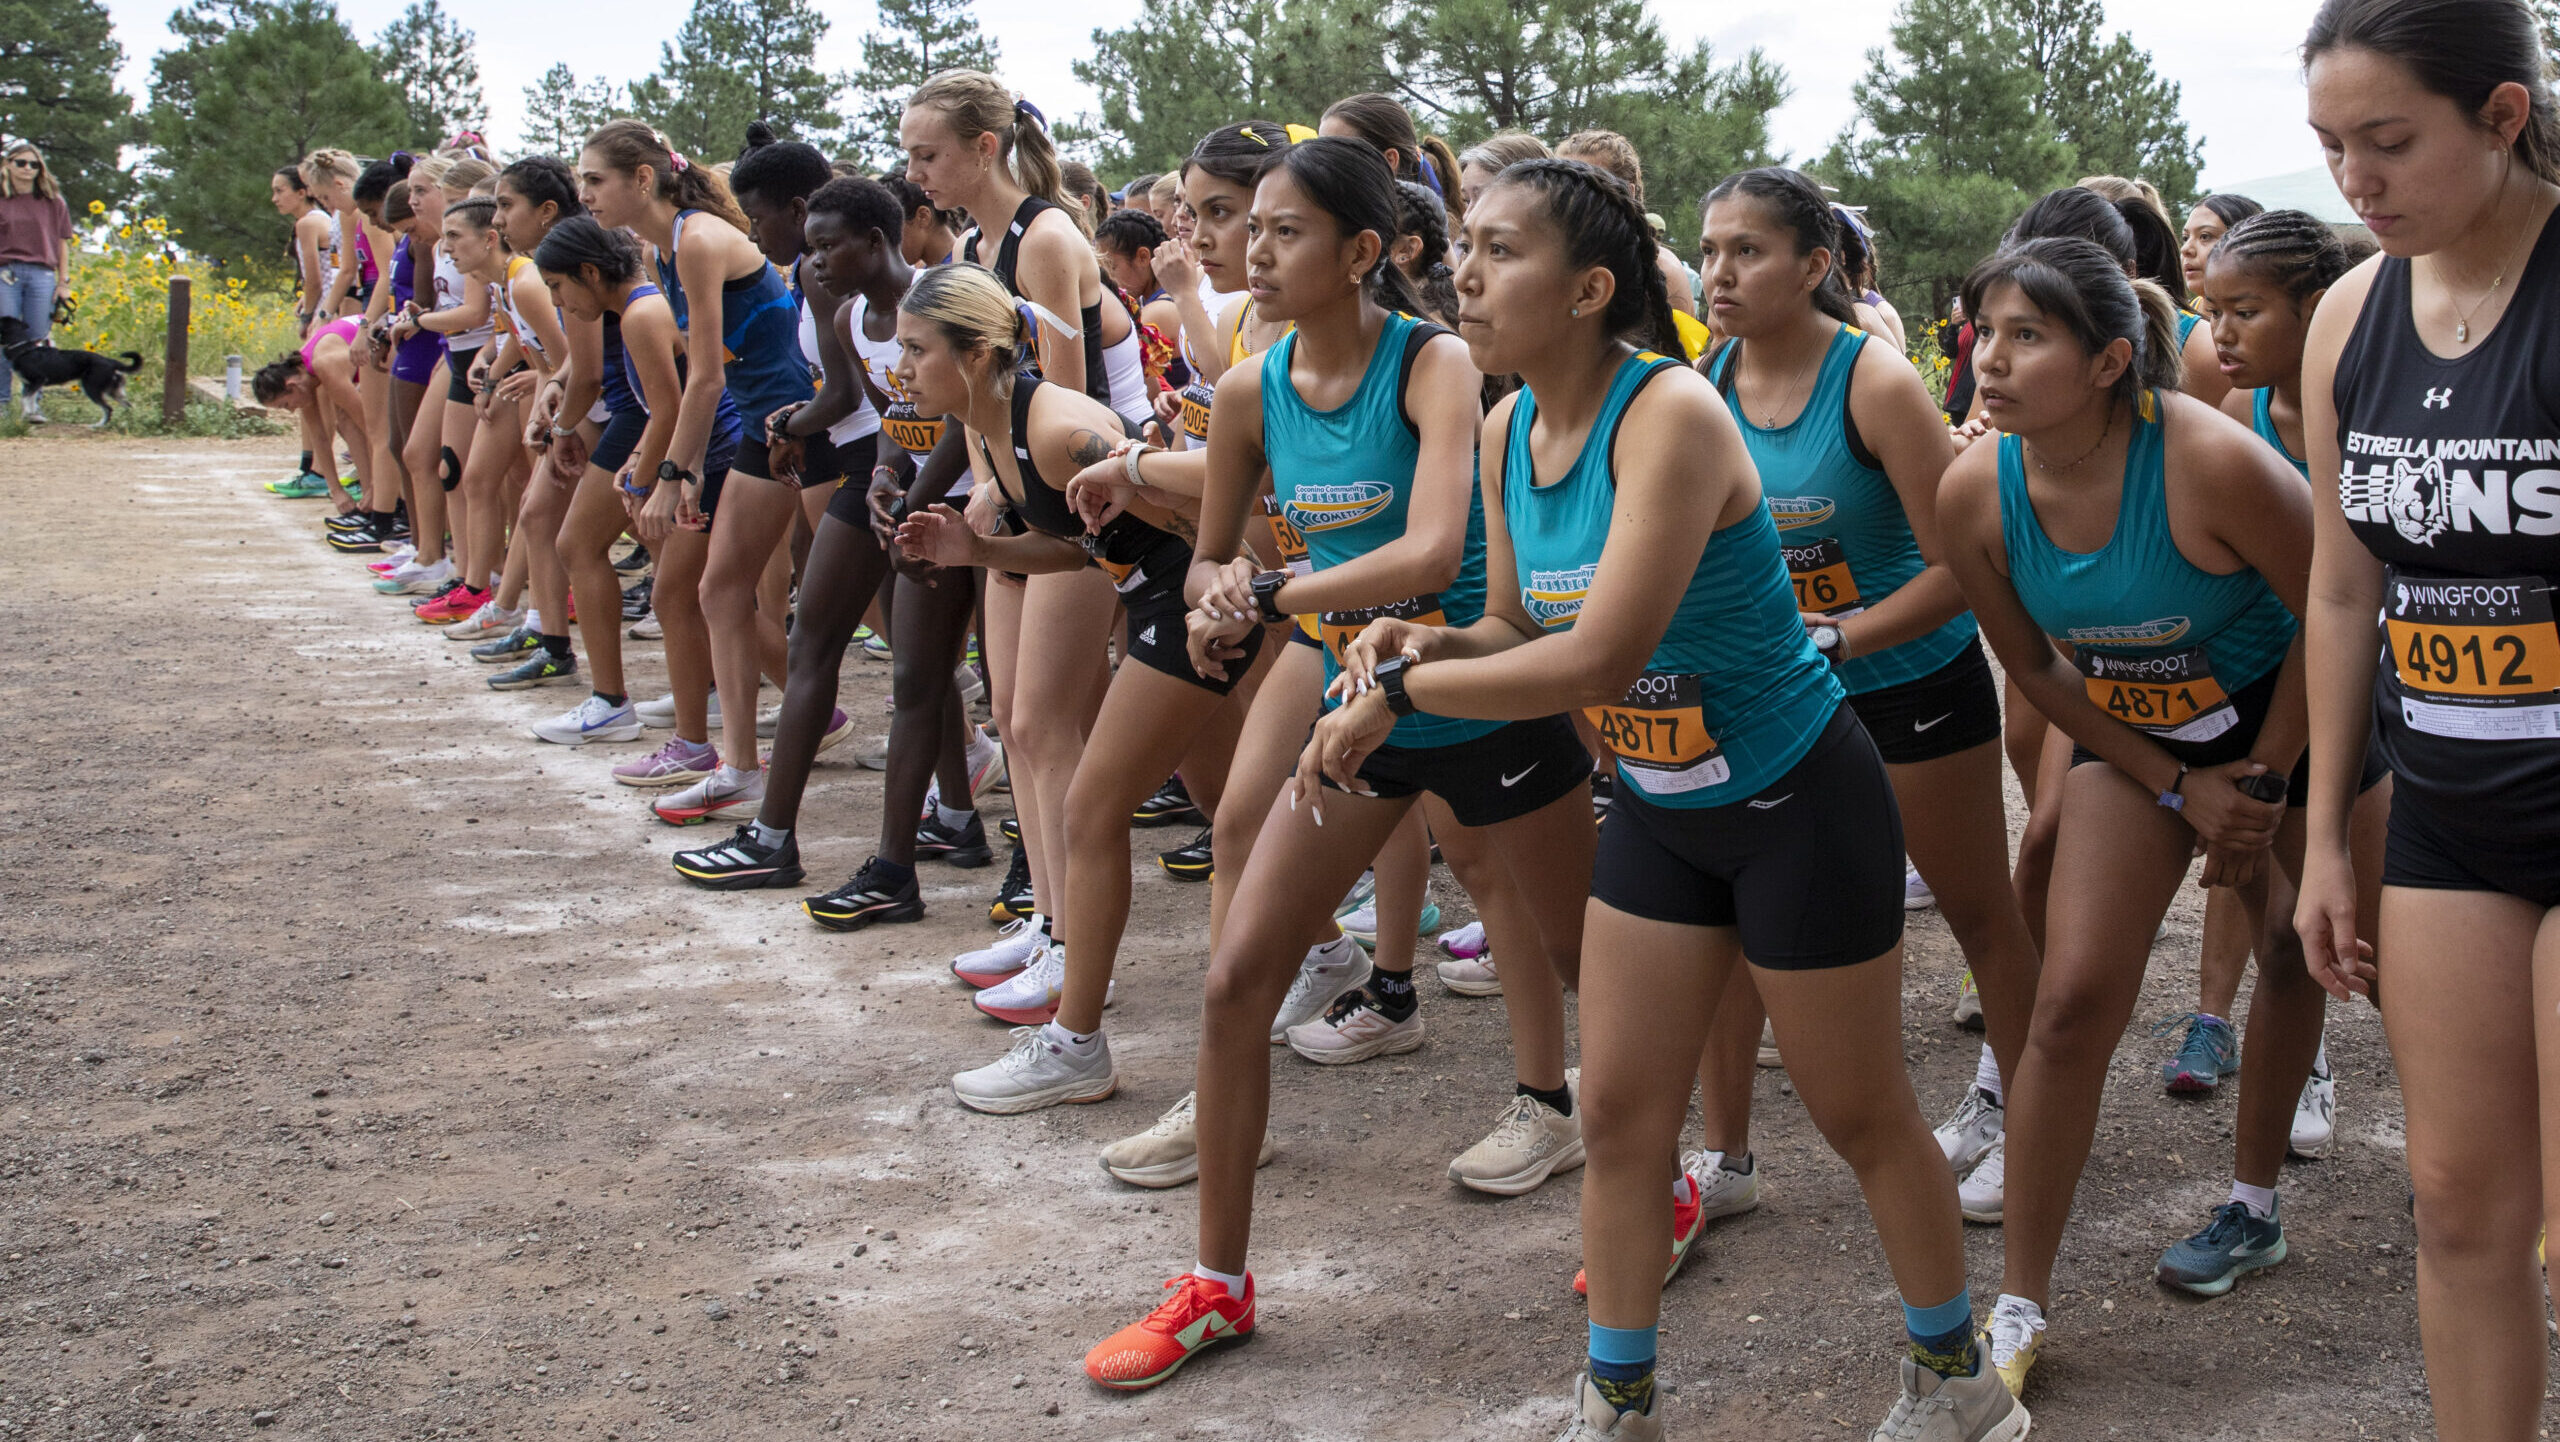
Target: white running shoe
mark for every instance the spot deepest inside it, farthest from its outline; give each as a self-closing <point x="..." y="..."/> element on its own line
<point x="1037" y="1072"/>
<point x="1354" y="1031"/>
<point x="972" y="690"/>
<point x="594" y="719"/>
<point x="875" y="756"/>
<point x="411" y="579"/>
<point x="1529" y="1143"/>
<point x="727" y="791"/>
<point x="1168" y="1153"/>
<point x="1975" y="1127"/>
<point x="660" y="715"/>
<point x="1722" y="1191"/>
<point x="1983" y="1193"/>
<point x="1968" y="1002"/>
<point x="2013" y="1337"/>
<point x="488" y="623"/>
<point x="1769" y="1046"/>
<point x="1466" y="941"/>
<point x="769" y="721"/>
<point x="985" y="758"/>
<point x="2315" y="1116"/>
<point x="1938" y="1408"/>
<point x="1013" y="950"/>
<point x="1471" y="975"/>
<point x="647" y="628"/>
<point x="1916" y="895"/>
<point x="1032" y="994"/>
<point x="1323" y="976"/>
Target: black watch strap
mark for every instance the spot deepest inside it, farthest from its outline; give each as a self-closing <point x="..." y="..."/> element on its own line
<point x="1390" y="675"/>
<point x="1266" y="596"/>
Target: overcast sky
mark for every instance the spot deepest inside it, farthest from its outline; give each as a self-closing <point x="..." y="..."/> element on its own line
<point x="2243" y="89"/>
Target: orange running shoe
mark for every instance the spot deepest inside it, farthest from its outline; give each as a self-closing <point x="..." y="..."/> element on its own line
<point x="1198" y="1316"/>
<point x="452" y="606"/>
<point x="1688" y="1220"/>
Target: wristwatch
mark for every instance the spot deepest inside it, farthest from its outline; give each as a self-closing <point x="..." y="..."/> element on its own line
<point x="1833" y="646"/>
<point x="1266" y="596"/>
<point x="670" y="471"/>
<point x="2267" y="786"/>
<point x="2171" y="797"/>
<point x="1390" y="678"/>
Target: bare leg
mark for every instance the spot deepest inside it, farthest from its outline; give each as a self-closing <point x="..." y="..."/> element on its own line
<point x="1275" y="731"/>
<point x="845" y="566"/>
<point x="678" y="561"/>
<point x="1058" y="677"/>
<point x="585" y="547"/>
<point x="1955" y="828"/>
<point x="2224" y="954"/>
<point x="926" y="732"/>
<point x="755" y="512"/>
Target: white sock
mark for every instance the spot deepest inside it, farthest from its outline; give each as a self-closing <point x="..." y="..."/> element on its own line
<point x="533" y="619"/>
<point x="1232" y="1281"/>
<point x="1986" y="1075"/>
<point x="1069" y="1041"/>
<point x="979" y="747"/>
<point x="770" y="835"/>
<point x="735" y="775"/>
<point x="1682" y="1189"/>
<point x="2320" y="1063"/>
<point x="2012" y="1303"/>
<point x="2261" y="1201"/>
<point x="950" y="818"/>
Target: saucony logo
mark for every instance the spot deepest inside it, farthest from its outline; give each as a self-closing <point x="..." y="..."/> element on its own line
<point x="1773" y="805"/>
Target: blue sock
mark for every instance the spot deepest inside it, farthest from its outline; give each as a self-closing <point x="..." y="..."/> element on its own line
<point x="1942" y="1336"/>
<point x="1622" y="1365"/>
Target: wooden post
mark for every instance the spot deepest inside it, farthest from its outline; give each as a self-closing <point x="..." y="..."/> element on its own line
<point x="173" y="381"/>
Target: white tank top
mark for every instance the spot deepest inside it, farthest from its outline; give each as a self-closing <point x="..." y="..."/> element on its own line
<point x="915" y="435"/>
<point x="1125" y="366"/>
<point x="864" y="421"/>
<point x="506" y="294"/>
<point x="449" y="294"/>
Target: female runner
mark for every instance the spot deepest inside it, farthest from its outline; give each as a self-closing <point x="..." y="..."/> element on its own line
<point x="319" y="383"/>
<point x="1404" y="541"/>
<point x="2210" y="220"/>
<point x="2439" y="129"/>
<point x="2169" y="550"/>
<point x="497" y="455"/>
<point x="927" y="235"/>
<point x="295" y="202"/>
<point x="462" y="314"/>
<point x="1614" y="153"/>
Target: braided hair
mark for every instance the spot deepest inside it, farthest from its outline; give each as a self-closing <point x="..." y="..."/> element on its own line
<point x="1603" y="224"/>
<point x="540" y="178"/>
<point x="1794" y="202"/>
<point x="2296" y="249"/>
<point x="1422" y="214"/>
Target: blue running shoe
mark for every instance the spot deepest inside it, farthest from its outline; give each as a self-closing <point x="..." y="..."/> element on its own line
<point x="2210" y="1053"/>
<point x="2210" y="1262"/>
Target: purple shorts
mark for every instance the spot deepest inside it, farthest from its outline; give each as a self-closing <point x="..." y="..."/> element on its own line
<point x="414" y="360"/>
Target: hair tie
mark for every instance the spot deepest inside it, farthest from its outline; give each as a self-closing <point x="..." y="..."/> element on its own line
<point x="400" y="155"/>
<point x="1431" y="176"/>
<point x="676" y="162"/>
<point x="1025" y="107"/>
<point x="1248" y="133"/>
<point x="1850" y="217"/>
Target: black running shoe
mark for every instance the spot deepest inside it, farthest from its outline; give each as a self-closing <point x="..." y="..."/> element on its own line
<point x="742" y="863"/>
<point x="963" y="846"/>
<point x="1170" y="806"/>
<point x="1011" y="829"/>
<point x="516" y="645"/>
<point x="634" y="561"/>
<point x="352" y="520"/>
<point x="539" y="669"/>
<point x="870" y="896"/>
<point x="1188" y="863"/>
<point x="635" y="600"/>
<point x="357" y="540"/>
<point x="1013" y="898"/>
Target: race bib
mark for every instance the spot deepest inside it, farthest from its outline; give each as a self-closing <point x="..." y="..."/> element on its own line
<point x="1659" y="731"/>
<point x="915" y="435"/>
<point x="1337" y="629"/>
<point x="2172" y="696"/>
<point x="1195" y="411"/>
<point x="1287" y="540"/>
<point x="1820" y="571"/>
<point x="2477" y="660"/>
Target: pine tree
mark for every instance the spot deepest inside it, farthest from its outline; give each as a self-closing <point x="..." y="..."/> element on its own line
<point x="1185" y="67"/>
<point x="915" y="40"/>
<point x="257" y="86"/>
<point x="736" y="62"/>
<point x="428" y="54"/>
<point x="58" y="61"/>
<point x="2103" y="96"/>
<point x="560" y="112"/>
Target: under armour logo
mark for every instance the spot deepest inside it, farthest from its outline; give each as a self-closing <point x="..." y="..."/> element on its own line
<point x="2439" y="400"/>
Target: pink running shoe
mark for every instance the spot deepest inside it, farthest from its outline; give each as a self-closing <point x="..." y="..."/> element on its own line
<point x="678" y="763"/>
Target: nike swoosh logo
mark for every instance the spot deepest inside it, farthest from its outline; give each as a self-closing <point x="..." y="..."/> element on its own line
<point x="1920" y="726"/>
<point x="1773" y="805"/>
<point x="1510" y="781"/>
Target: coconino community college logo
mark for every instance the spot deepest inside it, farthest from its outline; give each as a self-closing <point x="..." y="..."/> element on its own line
<point x="1330" y="508"/>
<point x="1554" y="598"/>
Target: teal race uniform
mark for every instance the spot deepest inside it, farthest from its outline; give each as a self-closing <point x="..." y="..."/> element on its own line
<point x="2161" y="645"/>
<point x="1343" y="479"/>
<point x="1848" y="543"/>
<point x="2263" y="421"/>
<point x="1735" y="694"/>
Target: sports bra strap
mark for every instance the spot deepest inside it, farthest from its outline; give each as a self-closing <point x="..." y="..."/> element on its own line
<point x="1415" y="338"/>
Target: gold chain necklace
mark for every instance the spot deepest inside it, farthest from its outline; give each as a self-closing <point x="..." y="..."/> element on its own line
<point x="1769" y="421"/>
<point x="2462" y="322"/>
<point x="2077" y="461"/>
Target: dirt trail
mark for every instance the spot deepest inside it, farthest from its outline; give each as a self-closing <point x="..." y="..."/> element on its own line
<point x="365" y="1072"/>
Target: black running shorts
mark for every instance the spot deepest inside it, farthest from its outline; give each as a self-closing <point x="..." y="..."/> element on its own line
<point x="457" y="366"/>
<point x="1954" y="708"/>
<point x="2253" y="701"/>
<point x="620" y="438"/>
<point x="1809" y="870"/>
<point x="2428" y="851"/>
<point x="1160" y="641"/>
<point x="1499" y="776"/>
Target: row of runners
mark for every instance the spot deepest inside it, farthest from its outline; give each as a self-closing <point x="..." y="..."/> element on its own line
<point x="1373" y="490"/>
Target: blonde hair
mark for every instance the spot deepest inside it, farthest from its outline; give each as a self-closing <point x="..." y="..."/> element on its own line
<point x="2119" y="190"/>
<point x="1166" y="190"/>
<point x="974" y="312"/>
<point x="1609" y="151"/>
<point x="44" y="183"/>
<point x="1502" y="150"/>
<point x="976" y="103"/>
<point x="467" y="175"/>
<point x="323" y="166"/>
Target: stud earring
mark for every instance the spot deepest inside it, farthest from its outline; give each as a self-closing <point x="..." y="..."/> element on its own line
<point x="1577" y="310"/>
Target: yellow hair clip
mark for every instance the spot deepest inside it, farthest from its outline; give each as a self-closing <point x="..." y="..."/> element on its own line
<point x="1298" y="134"/>
<point x="1247" y="132"/>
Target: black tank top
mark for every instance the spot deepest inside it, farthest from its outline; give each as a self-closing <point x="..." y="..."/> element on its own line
<point x="1132" y="551"/>
<point x="1097" y="383"/>
<point x="2451" y="477"/>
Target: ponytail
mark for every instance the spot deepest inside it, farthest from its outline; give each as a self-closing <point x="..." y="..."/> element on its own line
<point x="1440" y="168"/>
<point x="974" y="312"/>
<point x="2162" y="361"/>
<point x="1602" y="224"/>
<point x="976" y="103"/>
<point x="628" y="145"/>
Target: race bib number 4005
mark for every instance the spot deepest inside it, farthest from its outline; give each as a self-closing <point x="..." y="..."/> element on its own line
<point x="2476" y="660"/>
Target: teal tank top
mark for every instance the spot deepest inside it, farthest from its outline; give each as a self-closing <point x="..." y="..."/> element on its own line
<point x="2161" y="645"/>
<point x="1848" y="544"/>
<point x="2263" y="421"/>
<point x="1735" y="693"/>
<point x="1344" y="479"/>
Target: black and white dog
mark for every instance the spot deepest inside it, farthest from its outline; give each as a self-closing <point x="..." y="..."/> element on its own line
<point x="39" y="364"/>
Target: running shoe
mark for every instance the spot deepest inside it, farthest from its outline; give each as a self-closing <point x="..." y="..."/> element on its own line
<point x="452" y="606"/>
<point x="1529" y="1143"/>
<point x="875" y="648"/>
<point x="1198" y="1316"/>
<point x="769" y="721"/>
<point x="2236" y="1241"/>
<point x="2315" y="1116"/>
<point x="1324" y="975"/>
<point x="987" y="770"/>
<point x="660" y="714"/>
<point x="1934" y="1407"/>
<point x="1016" y="947"/>
<point x="1037" y="1072"/>
<point x="742" y="863"/>
<point x="1031" y="995"/>
<point x="963" y="846"/>
<point x="633" y="561"/>
<point x="2011" y="1341"/>
<point x="973" y="687"/>
<point x="839" y="726"/>
<point x="1190" y="862"/>
<point x="1916" y="895"/>
<point x="678" y="763"/>
<point x="393" y="557"/>
<point x="1170" y="806"/>
<point x="1974" y="1128"/>
<point x="303" y="487"/>
<point x="1363" y="892"/>
<point x="594" y="719"/>
<point x="2210" y="1052"/>
<point x="1013" y="895"/>
<point x="1597" y="1419"/>
<point x="1011" y="829"/>
<point x="1715" y="1190"/>
<point x="1467" y="941"/>
<point x="364" y="537"/>
<point x="635" y="599"/>
<point x="728" y="791"/>
<point x="515" y="645"/>
<point x="647" y="628"/>
<point x="1984" y="1193"/>
<point x="1362" y="925"/>
<point x="869" y="896"/>
<point x="874" y="757"/>
<point x="1769" y="1046"/>
<point x="1471" y="976"/>
<point x="490" y="622"/>
<point x="1968" y="1002"/>
<point x="411" y="579"/>
<point x="539" y="669"/>
<point x="1355" y="1030"/>
<point x="1168" y="1153"/>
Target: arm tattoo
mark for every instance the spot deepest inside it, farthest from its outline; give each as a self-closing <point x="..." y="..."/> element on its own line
<point x="1181" y="525"/>
<point x="1087" y="448"/>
